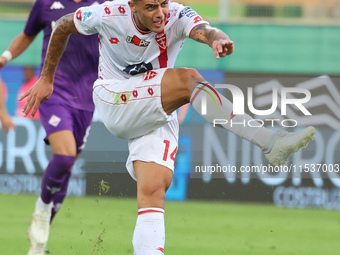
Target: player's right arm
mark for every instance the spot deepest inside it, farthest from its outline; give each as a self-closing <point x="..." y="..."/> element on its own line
<point x="17" y="46"/>
<point x="34" y="25"/>
<point x="43" y="88"/>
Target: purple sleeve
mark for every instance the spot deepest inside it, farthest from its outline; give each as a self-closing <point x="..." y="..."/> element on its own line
<point x="34" y="23"/>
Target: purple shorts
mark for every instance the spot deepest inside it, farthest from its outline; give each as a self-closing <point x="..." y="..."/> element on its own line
<point x="57" y="117"/>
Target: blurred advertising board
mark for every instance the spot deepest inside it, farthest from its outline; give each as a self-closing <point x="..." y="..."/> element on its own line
<point x="310" y="179"/>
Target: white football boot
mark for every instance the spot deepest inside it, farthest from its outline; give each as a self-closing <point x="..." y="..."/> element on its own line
<point x="35" y="247"/>
<point x="283" y="144"/>
<point x="39" y="230"/>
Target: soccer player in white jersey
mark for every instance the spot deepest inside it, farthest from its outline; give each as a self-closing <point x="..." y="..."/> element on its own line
<point x="138" y="91"/>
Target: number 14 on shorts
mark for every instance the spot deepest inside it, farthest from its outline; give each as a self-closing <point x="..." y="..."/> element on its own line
<point x="166" y="151"/>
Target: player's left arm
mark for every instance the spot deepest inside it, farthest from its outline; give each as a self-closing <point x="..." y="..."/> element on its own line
<point x="215" y="38"/>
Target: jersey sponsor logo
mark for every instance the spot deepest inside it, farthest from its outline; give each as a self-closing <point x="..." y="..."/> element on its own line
<point x="121" y="9"/>
<point x="136" y="41"/>
<point x="54" y="120"/>
<point x="161" y="40"/>
<point x="78" y="15"/>
<point x="149" y="75"/>
<point x="114" y="40"/>
<point x="138" y="68"/>
<point x="56" y="6"/>
<point x="87" y="15"/>
<point x="187" y="11"/>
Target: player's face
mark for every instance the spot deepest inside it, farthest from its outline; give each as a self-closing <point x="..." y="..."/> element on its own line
<point x="150" y="14"/>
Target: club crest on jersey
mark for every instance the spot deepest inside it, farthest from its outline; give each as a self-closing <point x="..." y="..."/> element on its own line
<point x="136" y="41"/>
<point x="149" y="75"/>
<point x="54" y="120"/>
<point x="161" y="40"/>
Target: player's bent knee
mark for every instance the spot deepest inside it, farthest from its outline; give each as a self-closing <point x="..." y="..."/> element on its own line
<point x="190" y="77"/>
<point x="187" y="74"/>
<point x="177" y="87"/>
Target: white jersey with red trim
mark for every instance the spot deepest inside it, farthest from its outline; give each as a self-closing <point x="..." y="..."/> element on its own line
<point x="124" y="49"/>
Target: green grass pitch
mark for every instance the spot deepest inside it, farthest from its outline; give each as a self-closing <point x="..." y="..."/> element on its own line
<point x="102" y="225"/>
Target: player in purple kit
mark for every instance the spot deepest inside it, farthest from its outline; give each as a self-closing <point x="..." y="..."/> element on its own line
<point x="67" y="116"/>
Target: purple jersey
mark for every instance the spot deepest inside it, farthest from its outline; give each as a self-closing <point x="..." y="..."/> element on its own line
<point x="78" y="67"/>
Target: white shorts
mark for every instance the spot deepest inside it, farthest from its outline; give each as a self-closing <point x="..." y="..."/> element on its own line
<point x="131" y="108"/>
<point x="159" y="146"/>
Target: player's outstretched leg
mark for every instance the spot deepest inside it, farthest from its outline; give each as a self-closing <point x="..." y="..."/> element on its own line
<point x="180" y="86"/>
<point x="55" y="175"/>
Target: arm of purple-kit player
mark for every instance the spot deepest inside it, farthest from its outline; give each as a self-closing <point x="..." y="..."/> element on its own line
<point x="43" y="88"/>
<point x="17" y="46"/>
